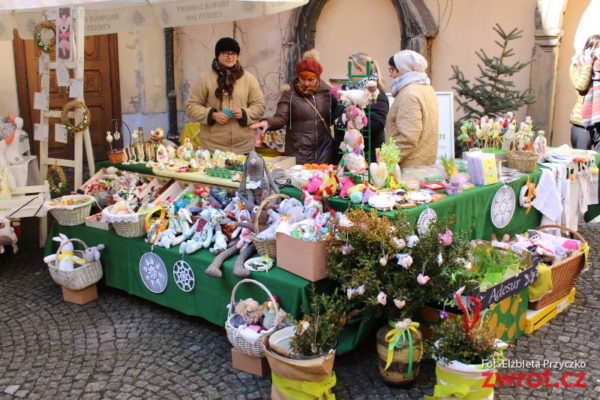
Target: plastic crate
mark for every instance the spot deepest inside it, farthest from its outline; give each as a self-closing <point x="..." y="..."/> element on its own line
<point x="537" y="318"/>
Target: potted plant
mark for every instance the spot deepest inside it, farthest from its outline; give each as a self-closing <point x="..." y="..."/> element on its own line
<point x="301" y="356"/>
<point x="466" y="353"/>
<point x="382" y="265"/>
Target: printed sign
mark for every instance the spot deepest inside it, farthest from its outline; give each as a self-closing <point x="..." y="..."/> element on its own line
<point x="507" y="288"/>
<point x="64" y="34"/>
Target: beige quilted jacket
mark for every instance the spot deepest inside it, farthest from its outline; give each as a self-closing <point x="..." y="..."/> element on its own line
<point x="413" y="122"/>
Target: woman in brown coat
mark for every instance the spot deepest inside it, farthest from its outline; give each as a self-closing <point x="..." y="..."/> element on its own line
<point x="306" y="111"/>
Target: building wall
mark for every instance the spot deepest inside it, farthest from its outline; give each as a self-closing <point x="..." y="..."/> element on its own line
<point x="345" y="26"/>
<point x="8" y="89"/>
<point x="465" y="26"/>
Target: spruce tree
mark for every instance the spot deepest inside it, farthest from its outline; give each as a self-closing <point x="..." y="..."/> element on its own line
<point x="492" y="93"/>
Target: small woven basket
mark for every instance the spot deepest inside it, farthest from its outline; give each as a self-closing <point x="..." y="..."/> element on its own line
<point x="524" y="161"/>
<point x="79" y="278"/>
<point x="564" y="273"/>
<point x="115" y="156"/>
<point x="131" y="229"/>
<point x="252" y="349"/>
<point x="265" y="247"/>
<point x="70" y="216"/>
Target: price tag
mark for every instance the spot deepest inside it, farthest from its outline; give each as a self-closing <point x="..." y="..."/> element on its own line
<point x="40" y="132"/>
<point x="60" y="133"/>
<point x="40" y="101"/>
<point x="76" y="90"/>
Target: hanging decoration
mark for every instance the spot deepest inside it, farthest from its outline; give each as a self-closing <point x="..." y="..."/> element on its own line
<point x="44" y="41"/>
<point x="72" y="106"/>
<point x="503" y="206"/>
<point x="153" y="273"/>
<point x="57" y="180"/>
<point x="527" y="195"/>
<point x="426" y="218"/>
<point x="184" y="276"/>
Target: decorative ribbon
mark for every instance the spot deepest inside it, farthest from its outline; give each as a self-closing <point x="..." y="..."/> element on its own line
<point x="460" y="387"/>
<point x="393" y="338"/>
<point x="585" y="247"/>
<point x="304" y="390"/>
<point x="70" y="256"/>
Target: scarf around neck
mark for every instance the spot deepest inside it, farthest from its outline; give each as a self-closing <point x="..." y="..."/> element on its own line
<point x="226" y="78"/>
<point x="409" y="78"/>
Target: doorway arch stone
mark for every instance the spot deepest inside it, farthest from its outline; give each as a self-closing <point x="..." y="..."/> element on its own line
<point x="417" y="28"/>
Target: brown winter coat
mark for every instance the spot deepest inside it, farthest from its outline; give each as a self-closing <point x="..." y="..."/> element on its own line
<point x="234" y="136"/>
<point x="307" y="137"/>
<point x="413" y="122"/>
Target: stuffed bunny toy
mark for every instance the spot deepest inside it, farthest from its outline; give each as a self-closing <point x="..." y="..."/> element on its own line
<point x="66" y="258"/>
<point x="93" y="253"/>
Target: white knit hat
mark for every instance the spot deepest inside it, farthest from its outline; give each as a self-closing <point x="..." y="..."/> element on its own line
<point x="409" y="60"/>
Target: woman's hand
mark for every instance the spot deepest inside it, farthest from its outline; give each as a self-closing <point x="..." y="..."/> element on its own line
<point x="262" y="125"/>
<point x="237" y="113"/>
<point x="220" y="117"/>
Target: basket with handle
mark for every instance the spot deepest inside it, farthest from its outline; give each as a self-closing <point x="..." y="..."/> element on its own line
<point x="70" y="215"/>
<point x="233" y="334"/>
<point x="265" y="247"/>
<point x="78" y="278"/>
<point x="524" y="161"/>
<point x="564" y="273"/>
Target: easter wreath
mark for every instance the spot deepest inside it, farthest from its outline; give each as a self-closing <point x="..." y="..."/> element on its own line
<point x="45" y="44"/>
<point x="81" y="126"/>
<point x="57" y="180"/>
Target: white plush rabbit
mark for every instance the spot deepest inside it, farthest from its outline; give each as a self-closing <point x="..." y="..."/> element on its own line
<point x="66" y="257"/>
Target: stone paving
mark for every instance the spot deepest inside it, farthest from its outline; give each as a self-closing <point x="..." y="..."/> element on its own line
<point x="122" y="347"/>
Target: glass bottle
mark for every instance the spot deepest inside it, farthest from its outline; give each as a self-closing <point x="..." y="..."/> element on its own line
<point x="540" y="145"/>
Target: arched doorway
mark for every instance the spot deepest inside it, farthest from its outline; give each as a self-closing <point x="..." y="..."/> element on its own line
<point x="417" y="27"/>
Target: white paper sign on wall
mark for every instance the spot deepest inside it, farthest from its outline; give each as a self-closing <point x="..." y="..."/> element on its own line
<point x="445" y="124"/>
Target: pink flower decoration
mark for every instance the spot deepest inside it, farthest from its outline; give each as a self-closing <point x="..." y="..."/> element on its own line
<point x="423" y="279"/>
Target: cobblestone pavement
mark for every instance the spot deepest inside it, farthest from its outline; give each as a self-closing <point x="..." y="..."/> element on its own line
<point x="122" y="347"/>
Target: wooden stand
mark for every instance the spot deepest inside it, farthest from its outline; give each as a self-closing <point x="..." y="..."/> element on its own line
<point x="80" y="297"/>
<point x="81" y="138"/>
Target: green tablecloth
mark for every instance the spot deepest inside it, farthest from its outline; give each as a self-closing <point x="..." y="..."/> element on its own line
<point x="210" y="296"/>
<point x="472" y="209"/>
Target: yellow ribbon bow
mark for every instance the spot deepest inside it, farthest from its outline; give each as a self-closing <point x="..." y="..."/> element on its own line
<point x="70" y="256"/>
<point x="393" y="338"/>
<point x="304" y="390"/>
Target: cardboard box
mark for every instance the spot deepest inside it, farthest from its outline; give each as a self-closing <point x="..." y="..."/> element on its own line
<point x="283" y="162"/>
<point x="81" y="297"/>
<point x="252" y="365"/>
<point x="305" y="259"/>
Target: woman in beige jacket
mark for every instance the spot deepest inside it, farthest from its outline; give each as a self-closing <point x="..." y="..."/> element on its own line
<point x="225" y="100"/>
<point x="413" y="117"/>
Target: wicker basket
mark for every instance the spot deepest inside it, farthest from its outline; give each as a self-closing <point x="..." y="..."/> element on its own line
<point x="70" y="216"/>
<point x="115" y="156"/>
<point x="265" y="247"/>
<point x="79" y="278"/>
<point x="564" y="273"/>
<point x="131" y="229"/>
<point x="524" y="161"/>
<point x="252" y="349"/>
